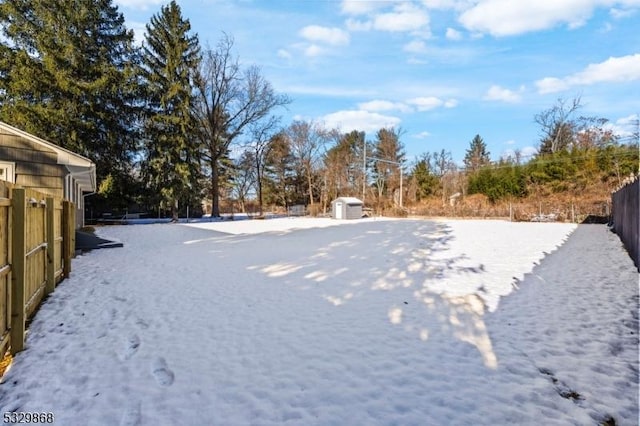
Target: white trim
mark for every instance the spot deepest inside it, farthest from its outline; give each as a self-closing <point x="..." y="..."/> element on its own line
<point x="8" y="171"/>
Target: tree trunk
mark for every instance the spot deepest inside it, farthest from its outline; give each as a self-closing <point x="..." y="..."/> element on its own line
<point x="215" y="190"/>
<point x="310" y="181"/>
<point x="259" y="182"/>
<point x="174" y="210"/>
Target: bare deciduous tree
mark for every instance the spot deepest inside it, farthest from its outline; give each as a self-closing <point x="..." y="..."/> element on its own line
<point x="244" y="178"/>
<point x="307" y="140"/>
<point x="556" y="124"/>
<point x="262" y="134"/>
<point x="229" y="99"/>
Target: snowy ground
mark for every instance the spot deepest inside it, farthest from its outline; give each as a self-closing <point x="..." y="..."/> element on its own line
<point x="368" y="322"/>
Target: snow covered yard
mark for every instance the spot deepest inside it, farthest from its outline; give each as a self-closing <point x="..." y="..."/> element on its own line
<point x="403" y="322"/>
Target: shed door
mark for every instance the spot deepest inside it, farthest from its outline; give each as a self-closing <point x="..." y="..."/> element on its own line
<point x="7" y="171"/>
<point x="338" y="210"/>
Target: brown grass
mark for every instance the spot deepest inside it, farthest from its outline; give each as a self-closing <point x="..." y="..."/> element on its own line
<point x="4" y="363"/>
<point x="566" y="206"/>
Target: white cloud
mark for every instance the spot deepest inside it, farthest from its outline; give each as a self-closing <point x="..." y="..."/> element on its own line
<point x="282" y="53"/>
<point x="356" y="25"/>
<point x="332" y="36"/>
<point x="415" y="46"/>
<point x="512" y="154"/>
<point x="497" y="93"/>
<point x="451" y="103"/>
<point x="623" y="68"/>
<point x="529" y="151"/>
<point x="607" y="27"/>
<point x="422" y="135"/>
<point x="416" y="61"/>
<point x="380" y="105"/>
<point x="138" y="4"/>
<point x="139" y="30"/>
<point x="359" y="120"/>
<point x="621" y="13"/>
<point x="426" y="103"/>
<point x="447" y="4"/>
<point x="508" y="17"/>
<point x="624" y="127"/>
<point x="631" y="120"/>
<point x="551" y="85"/>
<point x="508" y="154"/>
<point x="614" y="69"/>
<point x="405" y="17"/>
<point x="314" y="50"/>
<point x="361" y="7"/>
<point x="453" y="34"/>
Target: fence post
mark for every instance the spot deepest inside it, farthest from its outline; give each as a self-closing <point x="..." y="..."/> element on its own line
<point x="72" y="232"/>
<point x="573" y="214"/>
<point x="66" y="234"/>
<point x="51" y="246"/>
<point x="18" y="276"/>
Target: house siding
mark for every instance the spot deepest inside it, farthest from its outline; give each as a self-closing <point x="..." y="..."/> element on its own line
<point x="35" y="167"/>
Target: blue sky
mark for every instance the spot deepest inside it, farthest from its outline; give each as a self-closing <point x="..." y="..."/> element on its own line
<point x="441" y="70"/>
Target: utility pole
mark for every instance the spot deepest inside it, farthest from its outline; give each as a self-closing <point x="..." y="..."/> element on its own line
<point x="364" y="168"/>
<point x="397" y="163"/>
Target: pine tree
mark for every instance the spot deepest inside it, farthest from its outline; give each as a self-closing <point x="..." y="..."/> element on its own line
<point x="66" y="75"/>
<point x="279" y="171"/>
<point x="477" y="154"/>
<point x="389" y="155"/>
<point x="424" y="177"/>
<point x="170" y="57"/>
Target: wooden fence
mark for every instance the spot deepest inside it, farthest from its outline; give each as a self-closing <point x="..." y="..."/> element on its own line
<point x="37" y="242"/>
<point x="626" y="217"/>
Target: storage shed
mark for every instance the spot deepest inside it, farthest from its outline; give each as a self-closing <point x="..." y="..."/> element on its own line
<point x="346" y="208"/>
<point x="31" y="162"/>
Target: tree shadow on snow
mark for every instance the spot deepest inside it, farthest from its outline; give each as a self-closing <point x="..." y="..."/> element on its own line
<point x="404" y="269"/>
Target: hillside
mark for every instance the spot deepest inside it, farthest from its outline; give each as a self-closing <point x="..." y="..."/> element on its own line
<point x="572" y="185"/>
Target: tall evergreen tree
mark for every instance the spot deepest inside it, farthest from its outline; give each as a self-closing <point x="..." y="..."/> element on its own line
<point x="67" y="75"/>
<point x="424" y="177"/>
<point x="389" y="157"/>
<point x="170" y="57"/>
<point x="477" y="154"/>
<point x="279" y="171"/>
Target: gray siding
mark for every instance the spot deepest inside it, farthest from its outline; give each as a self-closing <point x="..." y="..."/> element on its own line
<point x="353" y="211"/>
<point x="35" y="166"/>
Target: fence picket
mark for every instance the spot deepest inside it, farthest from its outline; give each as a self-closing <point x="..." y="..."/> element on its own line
<point x="34" y="233"/>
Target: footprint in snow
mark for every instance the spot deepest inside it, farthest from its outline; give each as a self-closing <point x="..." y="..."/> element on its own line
<point x="142" y="323"/>
<point x="131" y="347"/>
<point x="110" y="315"/>
<point x="161" y="372"/>
<point x="131" y="416"/>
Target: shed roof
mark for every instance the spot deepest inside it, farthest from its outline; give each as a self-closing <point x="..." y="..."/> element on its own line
<point x="349" y="200"/>
<point x="81" y="168"/>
